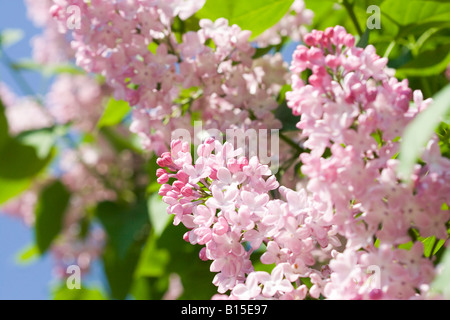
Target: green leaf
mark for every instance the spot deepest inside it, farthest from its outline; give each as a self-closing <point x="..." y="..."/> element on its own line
<point x="115" y="112"/>
<point x="284" y="113"/>
<point x="63" y="293"/>
<point x="9" y="37"/>
<point x="327" y="13"/>
<point x="10" y="188"/>
<point x="409" y="12"/>
<point x="364" y="40"/>
<point x="153" y="261"/>
<point x="43" y="140"/>
<point x="122" y="223"/>
<point x="256" y="16"/>
<point x="419" y="132"/>
<point x="121" y="142"/>
<point x="20" y="161"/>
<point x="27" y="255"/>
<point x="127" y="229"/>
<point x="120" y="271"/>
<point x="428" y="63"/>
<point x="4" y="135"/>
<point x="47" y="70"/>
<point x="50" y="210"/>
<point x="170" y="254"/>
<point x="429" y="243"/>
<point x="157" y="211"/>
<point x="441" y="284"/>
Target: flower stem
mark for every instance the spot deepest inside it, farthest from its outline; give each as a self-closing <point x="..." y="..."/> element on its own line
<point x="352" y="15"/>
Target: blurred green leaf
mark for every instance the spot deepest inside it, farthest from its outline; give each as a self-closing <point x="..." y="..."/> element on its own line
<point x="254" y="15"/>
<point x="121" y="142"/>
<point x="4" y="135"/>
<point x="20" y="161"/>
<point x="170" y="254"/>
<point x="63" y="293"/>
<point x="122" y="223"/>
<point x="9" y="37"/>
<point x="284" y="113"/>
<point x="10" y="188"/>
<point x="127" y="228"/>
<point x="27" y="255"/>
<point x="157" y="211"/>
<point x="364" y="40"/>
<point x="428" y="63"/>
<point x="153" y="261"/>
<point x="409" y="12"/>
<point x="441" y="283"/>
<point x="115" y="112"/>
<point x="120" y="270"/>
<point x="430" y="243"/>
<point x="43" y="140"/>
<point x="50" y="209"/>
<point x="47" y="70"/>
<point x="419" y="132"/>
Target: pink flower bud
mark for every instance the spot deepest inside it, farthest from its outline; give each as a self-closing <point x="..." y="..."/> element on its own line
<point x="183" y="176"/>
<point x="160" y="172"/>
<point x="310" y="40"/>
<point x="213" y="174"/>
<point x="163" y="179"/>
<point x="55" y="10"/>
<point x="233" y="165"/>
<point x="221" y="226"/>
<point x="186" y="191"/>
<point x="202" y="254"/>
<point x="165" y="160"/>
<point x="349" y="40"/>
<point x="178" y="185"/>
<point x="164" y="189"/>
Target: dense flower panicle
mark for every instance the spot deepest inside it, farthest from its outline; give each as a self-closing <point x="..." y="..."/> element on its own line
<point x="223" y="199"/>
<point x="78" y="99"/>
<point x="213" y="65"/>
<point x="353" y="112"/>
<point x="50" y="47"/>
<point x="22" y="207"/>
<point x="70" y="250"/>
<point x="23" y="113"/>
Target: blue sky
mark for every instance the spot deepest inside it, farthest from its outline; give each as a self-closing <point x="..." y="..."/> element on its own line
<point x="32" y="281"/>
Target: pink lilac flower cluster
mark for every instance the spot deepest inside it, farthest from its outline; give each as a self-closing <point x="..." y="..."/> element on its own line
<point x="353" y="113"/>
<point x="345" y="231"/>
<point x="23" y="113"/>
<point x="51" y="46"/>
<point x="78" y="99"/>
<point x="75" y="98"/>
<point x="133" y="45"/>
<point x="223" y="199"/>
